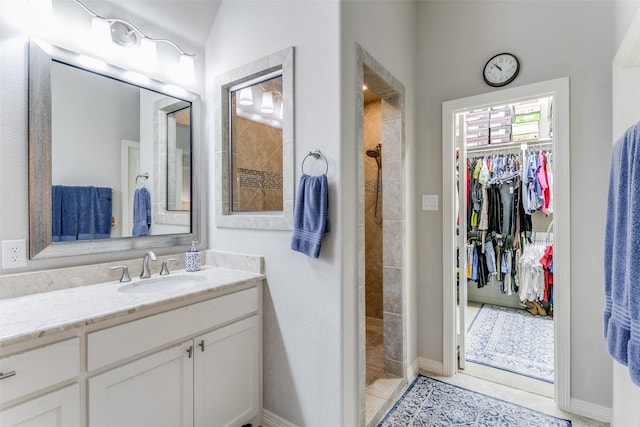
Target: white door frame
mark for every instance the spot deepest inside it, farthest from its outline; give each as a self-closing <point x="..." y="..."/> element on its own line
<point x="126" y="180"/>
<point x="559" y="89"/>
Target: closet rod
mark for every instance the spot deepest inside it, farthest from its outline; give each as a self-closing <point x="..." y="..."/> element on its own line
<point x="509" y="145"/>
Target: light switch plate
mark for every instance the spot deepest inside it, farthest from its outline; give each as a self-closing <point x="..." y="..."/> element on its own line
<point x="429" y="202"/>
<point x="14" y="253"/>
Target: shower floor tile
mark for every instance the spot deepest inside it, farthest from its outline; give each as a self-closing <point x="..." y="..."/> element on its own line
<point x="380" y="386"/>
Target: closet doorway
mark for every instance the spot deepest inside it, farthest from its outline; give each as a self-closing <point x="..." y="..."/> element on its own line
<point x="492" y="143"/>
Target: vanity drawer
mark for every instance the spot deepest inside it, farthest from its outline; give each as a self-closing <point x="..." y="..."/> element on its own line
<point x="127" y="340"/>
<point x="39" y="368"/>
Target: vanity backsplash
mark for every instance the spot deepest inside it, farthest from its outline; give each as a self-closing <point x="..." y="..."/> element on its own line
<point x="20" y="284"/>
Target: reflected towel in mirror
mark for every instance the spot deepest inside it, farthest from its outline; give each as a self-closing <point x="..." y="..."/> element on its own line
<point x="80" y="213"/>
<point x="141" y="212"/>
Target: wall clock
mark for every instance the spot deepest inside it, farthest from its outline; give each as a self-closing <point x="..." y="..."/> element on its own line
<point x="501" y="69"/>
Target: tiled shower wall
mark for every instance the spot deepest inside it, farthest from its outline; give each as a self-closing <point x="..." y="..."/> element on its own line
<point x="257" y="167"/>
<point x="373" y="227"/>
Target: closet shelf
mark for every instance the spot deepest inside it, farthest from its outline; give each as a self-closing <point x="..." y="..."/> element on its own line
<point x="509" y="145"/>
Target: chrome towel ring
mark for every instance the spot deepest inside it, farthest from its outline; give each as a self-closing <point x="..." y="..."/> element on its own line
<point x="317" y="154"/>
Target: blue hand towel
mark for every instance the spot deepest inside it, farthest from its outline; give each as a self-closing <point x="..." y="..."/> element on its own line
<point x="311" y="215"/>
<point x="141" y="212"/>
<point x="80" y="213"/>
<point x="94" y="213"/>
<point x="64" y="213"/>
<point x="56" y="212"/>
<point x="622" y="254"/>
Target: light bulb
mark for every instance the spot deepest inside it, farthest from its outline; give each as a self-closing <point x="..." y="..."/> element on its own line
<point x="246" y="96"/>
<point x="148" y="57"/>
<point x="267" y="102"/>
<point x="101" y="30"/>
<point x="186" y="69"/>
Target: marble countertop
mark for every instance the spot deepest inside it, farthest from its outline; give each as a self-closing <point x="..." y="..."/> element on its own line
<point x="33" y="316"/>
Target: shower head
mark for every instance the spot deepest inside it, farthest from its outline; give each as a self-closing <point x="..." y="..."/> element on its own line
<point x="374" y="152"/>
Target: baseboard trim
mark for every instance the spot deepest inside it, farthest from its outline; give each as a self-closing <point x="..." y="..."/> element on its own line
<point x="430" y="365"/>
<point x="269" y="419"/>
<point x="590" y="410"/>
<point x="412" y="370"/>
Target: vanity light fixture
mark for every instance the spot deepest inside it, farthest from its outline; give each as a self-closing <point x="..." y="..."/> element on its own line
<point x="124" y="33"/>
<point x="267" y="102"/>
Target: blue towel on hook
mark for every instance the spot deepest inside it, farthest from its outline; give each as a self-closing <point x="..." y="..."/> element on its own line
<point x="622" y="254"/>
<point x="141" y="212"/>
<point x="310" y="215"/>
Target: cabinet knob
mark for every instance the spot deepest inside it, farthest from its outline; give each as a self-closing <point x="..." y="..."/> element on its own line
<point x="7" y="374"/>
<point x="190" y="351"/>
<point x="201" y="345"/>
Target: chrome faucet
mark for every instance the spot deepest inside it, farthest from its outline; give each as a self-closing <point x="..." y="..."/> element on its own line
<point x="145" y="264"/>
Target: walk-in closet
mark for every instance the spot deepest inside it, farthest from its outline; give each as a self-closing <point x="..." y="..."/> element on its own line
<point x="504" y="227"/>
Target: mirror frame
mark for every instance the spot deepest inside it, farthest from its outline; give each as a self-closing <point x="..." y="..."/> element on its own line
<point x="41" y="55"/>
<point x="268" y="220"/>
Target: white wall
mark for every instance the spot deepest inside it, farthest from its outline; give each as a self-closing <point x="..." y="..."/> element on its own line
<point x="302" y="299"/>
<point x="552" y="39"/>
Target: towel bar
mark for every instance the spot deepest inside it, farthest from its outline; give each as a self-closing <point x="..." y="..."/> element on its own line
<point x="316" y="154"/>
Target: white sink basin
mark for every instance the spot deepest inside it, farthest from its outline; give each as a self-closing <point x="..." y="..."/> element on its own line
<point x="159" y="284"/>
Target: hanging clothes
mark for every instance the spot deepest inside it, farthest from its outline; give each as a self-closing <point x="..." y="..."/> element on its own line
<point x="503" y="191"/>
<point x="547" y="264"/>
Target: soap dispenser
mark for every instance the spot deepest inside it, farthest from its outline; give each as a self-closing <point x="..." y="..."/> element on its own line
<point x="192" y="258"/>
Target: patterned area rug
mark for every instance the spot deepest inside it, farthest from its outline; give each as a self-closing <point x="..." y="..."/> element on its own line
<point x="429" y="402"/>
<point x="512" y="340"/>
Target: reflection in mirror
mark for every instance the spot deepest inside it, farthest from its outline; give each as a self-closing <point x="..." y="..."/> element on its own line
<point x="256" y="144"/>
<point x="179" y="160"/>
<point x="98" y="159"/>
<point x="99" y="193"/>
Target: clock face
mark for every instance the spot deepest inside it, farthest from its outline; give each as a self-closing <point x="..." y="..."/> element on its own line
<point x="500" y="70"/>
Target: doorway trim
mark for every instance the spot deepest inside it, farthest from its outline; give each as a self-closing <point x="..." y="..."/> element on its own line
<point x="392" y="94"/>
<point x="559" y="89"/>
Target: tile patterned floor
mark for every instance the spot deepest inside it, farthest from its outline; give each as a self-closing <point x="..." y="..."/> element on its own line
<point x="520" y="397"/>
<point x="494" y="382"/>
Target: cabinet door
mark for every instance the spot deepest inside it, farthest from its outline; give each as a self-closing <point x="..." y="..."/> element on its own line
<point x="155" y="391"/>
<point x="227" y="375"/>
<point x="58" y="409"/>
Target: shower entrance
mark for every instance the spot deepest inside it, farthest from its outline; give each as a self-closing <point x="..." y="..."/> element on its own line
<point x="382" y="317"/>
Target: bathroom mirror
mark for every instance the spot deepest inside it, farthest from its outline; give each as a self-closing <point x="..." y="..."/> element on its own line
<point x="98" y="129"/>
<point x="254" y="149"/>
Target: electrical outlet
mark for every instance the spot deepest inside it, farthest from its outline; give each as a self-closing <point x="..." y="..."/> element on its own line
<point x="14" y="253"/>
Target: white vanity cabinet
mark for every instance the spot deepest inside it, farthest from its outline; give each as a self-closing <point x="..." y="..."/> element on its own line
<point x="60" y="408"/>
<point x="227" y="375"/>
<point x="156" y="390"/>
<point x="198" y="365"/>
<point x="32" y="376"/>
